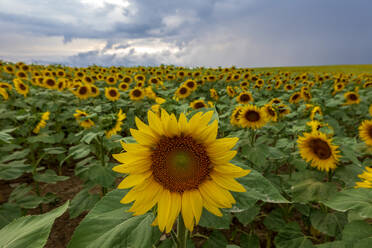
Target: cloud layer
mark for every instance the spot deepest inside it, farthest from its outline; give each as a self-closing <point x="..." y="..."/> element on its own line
<point x="189" y="33"/>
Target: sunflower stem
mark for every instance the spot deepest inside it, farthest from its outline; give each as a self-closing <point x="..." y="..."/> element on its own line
<point x="181" y="233"/>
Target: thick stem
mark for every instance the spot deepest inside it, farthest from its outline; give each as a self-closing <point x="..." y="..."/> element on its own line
<point x="181" y="233"/>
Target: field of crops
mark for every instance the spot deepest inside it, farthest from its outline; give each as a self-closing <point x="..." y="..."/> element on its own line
<point x="185" y="157"/>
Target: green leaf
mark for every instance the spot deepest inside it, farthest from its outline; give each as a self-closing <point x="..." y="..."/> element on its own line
<point x="81" y="202"/>
<point x="247" y="216"/>
<point x="260" y="188"/>
<point x="16" y="155"/>
<point x="359" y="200"/>
<point x="55" y="150"/>
<point x="30" y="231"/>
<point x="8" y="212"/>
<point x="109" y="224"/>
<point x="312" y="190"/>
<point x="249" y="241"/>
<point x="13" y="169"/>
<point x="49" y="176"/>
<point x="335" y="244"/>
<point x="216" y="240"/>
<point x="275" y="220"/>
<point x="350" y="154"/>
<point x="290" y="236"/>
<point x="212" y="221"/>
<point x="89" y="137"/>
<point x="355" y="231"/>
<point x="256" y="154"/>
<point x="5" y="136"/>
<point x="330" y="224"/>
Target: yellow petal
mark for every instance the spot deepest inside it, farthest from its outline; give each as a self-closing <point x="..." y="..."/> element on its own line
<point x="227" y="182"/>
<point x="219" y="195"/>
<point x="143" y="138"/>
<point x="182" y="123"/>
<point x="224" y="159"/>
<point x="175" y="209"/>
<point x="196" y="204"/>
<point x="172" y="129"/>
<point x="208" y="197"/>
<point x="133" y="180"/>
<point x="214" y="210"/>
<point x="164" y="206"/>
<point x="154" y="122"/>
<point x="129" y="197"/>
<point x="134" y="147"/>
<point x="231" y="170"/>
<point x="187" y="213"/>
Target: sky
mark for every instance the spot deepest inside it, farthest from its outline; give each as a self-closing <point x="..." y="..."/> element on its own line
<point x="210" y="33"/>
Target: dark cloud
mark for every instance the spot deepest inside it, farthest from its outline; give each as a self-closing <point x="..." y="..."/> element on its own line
<point x="211" y="32"/>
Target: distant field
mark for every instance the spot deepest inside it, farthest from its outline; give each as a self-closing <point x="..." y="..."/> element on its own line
<point x="323" y="68"/>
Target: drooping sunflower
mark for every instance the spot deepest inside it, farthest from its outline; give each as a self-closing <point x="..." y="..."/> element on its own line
<point x="9" y="87"/>
<point x="283" y="110"/>
<point x="230" y="91"/>
<point x="42" y="122"/>
<point x="94" y="91"/>
<point x="117" y="127"/>
<point x="315" y="111"/>
<point x="365" y="132"/>
<point x="213" y="94"/>
<point x="318" y="149"/>
<point x="234" y="118"/>
<point x="87" y="123"/>
<point x="244" y="85"/>
<point x="244" y="97"/>
<point x="295" y="97"/>
<point x="136" y="94"/>
<point x="197" y="104"/>
<point x="21" y="87"/>
<point x="270" y="112"/>
<point x="275" y="101"/>
<point x="366" y="176"/>
<point x="4" y="94"/>
<point x="252" y="117"/>
<point x="351" y="98"/>
<point x="182" y="92"/>
<point x="112" y="94"/>
<point x="179" y="166"/>
<point x="315" y="125"/>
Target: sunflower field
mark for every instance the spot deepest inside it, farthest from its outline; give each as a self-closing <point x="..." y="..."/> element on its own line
<point x="184" y="157"/>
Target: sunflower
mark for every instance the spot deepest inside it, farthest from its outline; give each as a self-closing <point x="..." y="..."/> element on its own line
<point x="50" y="83"/>
<point x="83" y="92"/>
<point x="244" y="97"/>
<point x="123" y="86"/>
<point x="191" y="84"/>
<point x="118" y="124"/>
<point x="42" y="122"/>
<point x="275" y="101"/>
<point x="4" y="94"/>
<point x="283" y="110"/>
<point x="230" y="91"/>
<point x="306" y="95"/>
<point x="234" y="118"/>
<point x="182" y="92"/>
<point x="22" y="74"/>
<point x="365" y="132"/>
<point x="6" y="86"/>
<point x="112" y="94"/>
<point x="61" y="84"/>
<point x="213" y="94"/>
<point x="21" y="87"/>
<point x="252" y="117"/>
<point x="87" y="123"/>
<point x="181" y="167"/>
<point x="315" y="125"/>
<point x="197" y="104"/>
<point x="351" y="97"/>
<point x="139" y="78"/>
<point x="289" y="87"/>
<point x="9" y="69"/>
<point x="295" y="97"/>
<point x="366" y="176"/>
<point x="150" y="93"/>
<point x="137" y="94"/>
<point x="270" y="112"/>
<point x="94" y="91"/>
<point x="338" y="87"/>
<point x="127" y="79"/>
<point x="111" y="80"/>
<point x="318" y="149"/>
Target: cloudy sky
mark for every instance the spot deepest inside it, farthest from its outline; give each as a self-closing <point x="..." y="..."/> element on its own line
<point x="243" y="33"/>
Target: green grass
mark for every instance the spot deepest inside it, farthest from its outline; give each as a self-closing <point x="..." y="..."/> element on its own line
<point x="322" y="68"/>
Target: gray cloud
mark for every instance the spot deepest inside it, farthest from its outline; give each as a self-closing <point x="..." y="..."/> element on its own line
<point x="209" y="33"/>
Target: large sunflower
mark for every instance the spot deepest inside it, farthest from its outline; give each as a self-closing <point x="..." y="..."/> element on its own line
<point x="83" y="92"/>
<point x="21" y="87"/>
<point x="252" y="117"/>
<point x="365" y="132"/>
<point x="318" y="149"/>
<point x="197" y="104"/>
<point x="181" y="167"/>
<point x="137" y="94"/>
<point x="366" y="176"/>
<point x="182" y="92"/>
<point x="352" y="98"/>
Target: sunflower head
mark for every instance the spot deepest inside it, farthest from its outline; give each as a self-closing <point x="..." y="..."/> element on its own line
<point x="253" y="117"/>
<point x="352" y="97"/>
<point x="270" y="112"/>
<point x="366" y="176"/>
<point x="365" y="132"/>
<point x="197" y="104"/>
<point x="112" y="94"/>
<point x="183" y="92"/>
<point x="180" y="166"/>
<point x="137" y="94"/>
<point x="318" y="149"/>
<point x="244" y="97"/>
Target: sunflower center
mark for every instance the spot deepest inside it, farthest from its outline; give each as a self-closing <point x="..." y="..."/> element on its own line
<point x="179" y="163"/>
<point x="199" y="105"/>
<point x="50" y="82"/>
<point x="271" y="111"/>
<point x="137" y="93"/>
<point x="252" y="116"/>
<point x="183" y="91"/>
<point x="353" y="97"/>
<point x="22" y="87"/>
<point x="126" y="80"/>
<point x="83" y="91"/>
<point x="245" y="98"/>
<point x="112" y="93"/>
<point x="93" y="89"/>
<point x="190" y="84"/>
<point x="321" y="148"/>
<point x="370" y="132"/>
